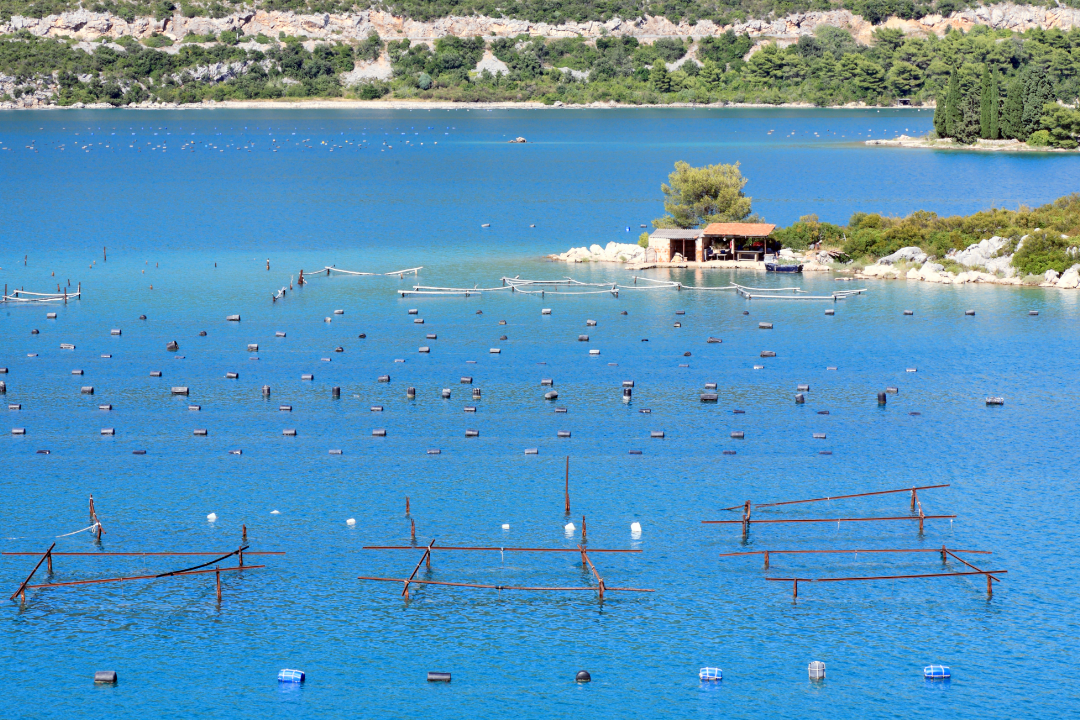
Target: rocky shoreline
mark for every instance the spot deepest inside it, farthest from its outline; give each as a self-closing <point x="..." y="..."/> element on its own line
<point x="950" y="144"/>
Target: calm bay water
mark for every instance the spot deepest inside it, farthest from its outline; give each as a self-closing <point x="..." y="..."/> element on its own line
<point x="168" y="214"/>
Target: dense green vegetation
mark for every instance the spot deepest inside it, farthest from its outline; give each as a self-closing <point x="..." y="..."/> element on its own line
<point x="699" y="196"/>
<point x="873" y="236"/>
<point x="988" y="83"/>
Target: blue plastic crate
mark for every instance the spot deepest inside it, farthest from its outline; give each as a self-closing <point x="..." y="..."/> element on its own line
<point x="709" y="673"/>
<point x="291" y="676"/>
<point x="937" y="672"/>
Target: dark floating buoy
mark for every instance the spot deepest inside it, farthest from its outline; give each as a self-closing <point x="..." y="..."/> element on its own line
<point x="378" y="432"/>
<point x="645" y="411"/>
<point x="738" y="434"/>
<point x="627" y="393"/>
<point x="909" y="312"/>
<point x="362" y="336"/>
<point x="202" y="333"/>
<point x="551" y="395"/>
<point x="339" y="349"/>
<point x="562" y="433"/>
<point x="138" y="452"/>
<point x="105" y="677"/>
<point x="624" y="313"/>
<point x="644" y="339"/>
<point x="289" y="433"/>
<point x="830" y="311"/>
<point x="439" y="676"/>
<point x="768" y="353"/>
<point x="173" y="346"/>
<point x="335" y="392"/>
<point x="476" y="393"/>
<point x="737" y="411"/>
<point x="914" y="413"/>
<point x="46" y="452"/>
<point x="882" y="398"/>
<point x="466" y="380"/>
<point x="1033" y="312"/>
<point x="800" y="398"/>
<point x="824" y="452"/>
<point x="686" y="354"/>
<point x="266" y="390"/>
<point x="969" y="312"/>
<point x="893" y="390"/>
<point x="35" y="331"/>
<point x="819" y="436"/>
<point x="472" y="433"/>
<point x="709" y="397"/>
<point x="745" y="312"/>
<point x="657" y="434"/>
<point x="803" y="388"/>
<point x="710" y="386"/>
<point x="142" y="317"/>
<point x="384" y="378"/>
<point x="822" y="412"/>
<point x="635" y="452"/>
<point x="502" y="337"/>
<point x="729" y="452"/>
<point x="713" y="340"/>
<point x="583" y="676"/>
<point x="560" y="409"/>
<point x="410" y="393"/>
<point x="87" y="390"/>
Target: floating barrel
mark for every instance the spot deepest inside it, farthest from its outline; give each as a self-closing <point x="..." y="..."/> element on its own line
<point x="678" y="325"/>
<point x="627" y="393"/>
<point x="233" y="318"/>
<point x="825" y="452"/>
<point x="180" y="390"/>
<point x="67" y="346"/>
<point x="335" y="452"/>
<point x="502" y="322"/>
<point x="892" y="390"/>
<point x="624" y="313"/>
<point x="236" y="452"/>
<point x="108" y="431"/>
<point x="547" y="381"/>
<point x="913" y="369"/>
<point x="432" y="336"/>
<point x="291" y="676"/>
<point x="107" y="677"/>
<point x="563" y="433"/>
<point x="114" y="331"/>
<point x="418" y="321"/>
<point x="831" y="367"/>
<point x="109" y="356"/>
<point x="424" y="349"/>
<point x="76" y="372"/>
<point x="143" y="317"/>
<point x="202" y="333"/>
<point x="737" y="434"/>
<point x="882" y="398"/>
<point x="379" y="432"/>
<point x="35" y="331"/>
<point x="279" y="334"/>
<point x="88" y="390"/>
<point x="413" y="311"/>
<point x="446" y="393"/>
<point x="472" y="433"/>
<point x="133" y="452"/>
<point x="199" y="432"/>
<point x="551" y="395"/>
<point x="768" y="353"/>
<point x="635" y="452"/>
<point x="628" y="383"/>
<point x="803" y="388"/>
<point x="737" y="411"/>
<point x="376" y="408"/>
<point x="594" y="352"/>
<point x="438" y="676"/>
<point x="173" y="346"/>
<point x="495" y="351"/>
<point x="656" y="434"/>
<point x="3" y="371"/>
<point x="710" y="673"/>
<point x="709" y="397"/>
<point x="532" y="451"/>
<point x="328" y="319"/>
<point x="1033" y="312"/>
<point x="817" y="670"/>
<point x="645" y="411"/>
<point x="710" y="386"/>
<point x="466" y="380"/>
<point x="583" y="676"/>
<point x="714" y="340"/>
<point x="822" y="412"/>
<point x="560" y="409"/>
<point x="502" y="337"/>
<point x="194" y="408"/>
<point x="764" y="326"/>
<point x="284" y="408"/>
<point x="800" y="398"/>
<point x="545" y="311"/>
<point x="155" y="373"/>
<point x="476" y="393"/>
<point x="830" y="311"/>
<point x="729" y="452"/>
<point x="583" y="338"/>
<point x="969" y="312"/>
<point x="16" y="406"/>
<point x="50" y="316"/>
<point x="937" y="672"/>
<point x="590" y="323"/>
<point x="339" y="312"/>
<point x="680" y="312"/>
<point x="686" y="354"/>
<point x="18" y="431"/>
<point x="434" y="451"/>
<point x="266" y="390"/>
<point x="307" y="376"/>
<point x="467" y="408"/>
<point x="909" y="312"/>
<point x="253" y="347"/>
<point x="289" y="433"/>
<point x="384" y="378"/>
<point x="819" y="436"/>
<point x="335" y="392"/>
<point x="410" y="393"/>
<point x="232" y="375"/>
<point x="995" y="401"/>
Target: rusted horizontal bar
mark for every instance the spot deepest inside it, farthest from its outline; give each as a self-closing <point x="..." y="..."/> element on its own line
<point x="495" y="587"/>
<point x="142" y="554"/>
<point x="891" y="577"/>
<point x="507" y="549"/>
<point x="829" y="520"/>
<point x="815" y="552"/>
<point x="142" y="577"/>
<point x="845" y="497"/>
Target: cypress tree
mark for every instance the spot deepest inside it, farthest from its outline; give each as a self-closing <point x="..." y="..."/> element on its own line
<point x="1012" y="123"/>
<point x="1037" y="93"/>
<point x="954" y="113"/>
<point x="986" y="103"/>
<point x="995" y="106"/>
<point x="940" y="113"/>
<point x="966" y="130"/>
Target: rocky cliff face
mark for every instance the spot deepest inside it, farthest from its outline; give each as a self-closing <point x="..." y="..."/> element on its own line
<point x="86" y="25"/>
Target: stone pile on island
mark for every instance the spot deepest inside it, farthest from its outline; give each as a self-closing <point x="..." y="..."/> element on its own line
<point x="613" y="252"/>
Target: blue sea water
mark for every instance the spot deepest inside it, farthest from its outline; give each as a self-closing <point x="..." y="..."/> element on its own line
<point x="198" y="223"/>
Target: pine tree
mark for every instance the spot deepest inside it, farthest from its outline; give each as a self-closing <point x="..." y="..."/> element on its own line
<point x="966" y="130"/>
<point x="954" y="113"/>
<point x="1012" y="123"/>
<point x="995" y="106"/>
<point x="659" y="77"/>
<point x="1037" y="94"/>
<point x="940" y="111"/>
<point x="986" y="103"/>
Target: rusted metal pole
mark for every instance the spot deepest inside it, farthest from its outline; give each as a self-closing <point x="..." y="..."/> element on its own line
<point x="825" y="520"/>
<point x="427" y="552"/>
<point x="412" y="528"/>
<point x="217" y="573"/>
<point x="22" y="588"/>
<point x="173" y="554"/>
<point x="406" y="506"/>
<point x="141" y="577"/>
<point x="451" y="547"/>
<point x="245" y="532"/>
<point x="766" y="559"/>
<point x="582" y="528"/>
<point x="844" y="497"/>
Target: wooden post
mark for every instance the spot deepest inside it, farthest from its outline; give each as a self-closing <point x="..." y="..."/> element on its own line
<point x="406" y="506"/>
<point x="766" y="559"/>
<point x="412" y="528"/>
<point x="989" y="586"/>
<point x="428" y="561"/>
<point x="913" y="500"/>
<point x="567" y="484"/>
<point x="268" y="264"/>
<point x="795" y="589"/>
<point x="104" y="255"/>
<point x="217" y="574"/>
<point x="942" y="554"/>
<point x="241" y="554"/>
<point x="301" y="280"/>
<point x="49" y="556"/>
<point x="582" y="528"/>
